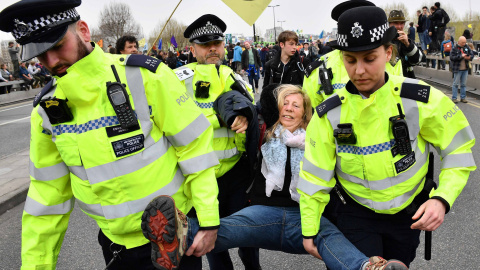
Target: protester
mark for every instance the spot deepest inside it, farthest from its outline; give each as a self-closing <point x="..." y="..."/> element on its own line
<point x="445" y="48"/>
<point x="26" y="76"/>
<point x="273" y="220"/>
<point x="467" y="35"/>
<point x="286" y="66"/>
<point x="408" y="52"/>
<point x="111" y="161"/>
<point x="307" y="53"/>
<point x="35" y="72"/>
<point x="460" y="58"/>
<point x="382" y="197"/>
<point x="411" y="32"/>
<point x="6" y="77"/>
<point x="171" y="60"/>
<point x="439" y="20"/>
<point x="127" y="45"/>
<point x="263" y="58"/>
<point x="252" y="65"/>
<point x="13" y="51"/>
<point x="237" y="58"/>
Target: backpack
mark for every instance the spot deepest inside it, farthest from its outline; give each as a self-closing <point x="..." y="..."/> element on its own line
<point x="447" y="47"/>
<point x="445" y="18"/>
<point x="271" y="54"/>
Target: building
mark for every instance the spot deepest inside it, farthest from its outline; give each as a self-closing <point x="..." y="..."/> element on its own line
<point x="5" y="55"/>
<point x="271" y="33"/>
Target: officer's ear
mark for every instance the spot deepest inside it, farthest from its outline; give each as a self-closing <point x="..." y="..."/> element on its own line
<point x="83" y="31"/>
<point x="192" y="49"/>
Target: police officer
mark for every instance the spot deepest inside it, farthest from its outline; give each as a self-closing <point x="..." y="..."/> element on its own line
<point x="327" y="74"/>
<point x="108" y="133"/>
<point x="206" y="80"/>
<point x="408" y="51"/>
<point x="375" y="135"/>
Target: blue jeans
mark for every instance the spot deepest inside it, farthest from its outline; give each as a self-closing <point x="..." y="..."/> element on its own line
<point x="279" y="228"/>
<point x="460" y="77"/>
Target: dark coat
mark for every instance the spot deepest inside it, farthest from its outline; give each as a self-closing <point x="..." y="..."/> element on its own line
<point x="275" y="71"/>
<point x="231" y="104"/>
<point x="408" y="61"/>
<point x="256" y="59"/>
<point x="456" y="57"/>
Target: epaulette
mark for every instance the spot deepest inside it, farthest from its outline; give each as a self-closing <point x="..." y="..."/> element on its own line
<point x="140" y="60"/>
<point x="45" y="90"/>
<point x="328" y="104"/>
<point x="183" y="73"/>
<point x="415" y="91"/>
<point x="312" y="66"/>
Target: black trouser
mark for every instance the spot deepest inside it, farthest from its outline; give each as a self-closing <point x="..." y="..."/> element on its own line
<point x="137" y="258"/>
<point x="388" y="236"/>
<point x="232" y="197"/>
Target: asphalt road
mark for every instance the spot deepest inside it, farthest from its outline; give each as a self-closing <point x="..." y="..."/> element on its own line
<point x="14" y="127"/>
<point x="456" y="244"/>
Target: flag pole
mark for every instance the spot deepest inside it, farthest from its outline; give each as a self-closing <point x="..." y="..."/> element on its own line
<point x="156" y="40"/>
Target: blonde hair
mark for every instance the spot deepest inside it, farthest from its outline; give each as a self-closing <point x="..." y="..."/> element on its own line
<point x="281" y="93"/>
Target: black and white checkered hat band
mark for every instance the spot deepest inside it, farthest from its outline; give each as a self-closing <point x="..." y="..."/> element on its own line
<point x="342" y="40"/>
<point x="26" y="29"/>
<point x="378" y="32"/>
<point x="209" y="29"/>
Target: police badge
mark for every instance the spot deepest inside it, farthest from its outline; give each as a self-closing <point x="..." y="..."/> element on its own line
<point x="357" y="30"/>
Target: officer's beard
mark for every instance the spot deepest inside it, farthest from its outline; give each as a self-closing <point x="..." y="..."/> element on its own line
<point x="204" y="61"/>
<point x="82" y="51"/>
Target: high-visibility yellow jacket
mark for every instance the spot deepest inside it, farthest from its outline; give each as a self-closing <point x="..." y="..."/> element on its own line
<point x="112" y="177"/>
<point x="227" y="144"/>
<point x="368" y="170"/>
<point x="333" y="60"/>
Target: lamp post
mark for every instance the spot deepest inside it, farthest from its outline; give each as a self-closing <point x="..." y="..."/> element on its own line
<point x="274" y="28"/>
<point x="281" y="23"/>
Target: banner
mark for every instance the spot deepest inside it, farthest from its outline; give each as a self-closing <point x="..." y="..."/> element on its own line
<point x="159" y="44"/>
<point x="141" y="43"/>
<point x="228" y="38"/>
<point x="249" y="11"/>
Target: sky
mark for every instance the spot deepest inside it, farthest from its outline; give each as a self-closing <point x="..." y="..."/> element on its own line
<point x="311" y="16"/>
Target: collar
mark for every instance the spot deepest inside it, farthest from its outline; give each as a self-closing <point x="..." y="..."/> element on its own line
<point x="354" y="91"/>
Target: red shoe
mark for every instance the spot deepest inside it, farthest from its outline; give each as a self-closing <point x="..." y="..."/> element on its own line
<point x="166" y="227"/>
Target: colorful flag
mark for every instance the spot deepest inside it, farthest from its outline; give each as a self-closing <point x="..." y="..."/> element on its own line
<point x="173" y="42"/>
<point x="249" y="11"/>
<point x="321" y="35"/>
<point x="160" y="44"/>
<point x="145" y="47"/>
<point x="100" y="43"/>
<point x="470" y="26"/>
<point x="326" y="40"/>
<point x="141" y="43"/>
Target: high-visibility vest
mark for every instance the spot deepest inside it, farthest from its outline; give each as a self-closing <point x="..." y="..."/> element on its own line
<point x="227" y="144"/>
<point x="333" y="60"/>
<point x="112" y="174"/>
<point x="369" y="171"/>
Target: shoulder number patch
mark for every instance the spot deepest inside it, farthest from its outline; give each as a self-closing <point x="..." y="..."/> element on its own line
<point x="416" y="92"/>
<point x="327" y="105"/>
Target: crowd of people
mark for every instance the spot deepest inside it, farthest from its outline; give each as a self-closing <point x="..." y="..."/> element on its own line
<point x="175" y="159"/>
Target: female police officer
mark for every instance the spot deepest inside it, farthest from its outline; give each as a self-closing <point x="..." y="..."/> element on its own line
<point x="375" y="135"/>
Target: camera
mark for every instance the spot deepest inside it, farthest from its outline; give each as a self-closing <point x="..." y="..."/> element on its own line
<point x="397" y="35"/>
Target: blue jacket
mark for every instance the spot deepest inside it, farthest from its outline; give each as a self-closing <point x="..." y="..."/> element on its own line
<point x="237" y="54"/>
<point x="441" y="48"/>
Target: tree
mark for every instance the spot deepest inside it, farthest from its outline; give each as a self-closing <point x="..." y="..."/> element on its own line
<point x="173" y="28"/>
<point x="116" y="20"/>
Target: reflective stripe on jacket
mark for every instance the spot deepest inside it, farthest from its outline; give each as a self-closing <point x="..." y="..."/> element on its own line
<point x="340" y="76"/>
<point x="227" y="144"/>
<point x="113" y="177"/>
<point x="367" y="170"/>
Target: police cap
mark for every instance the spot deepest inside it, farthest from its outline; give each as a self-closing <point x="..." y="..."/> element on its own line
<point x="205" y="29"/>
<point x="363" y="29"/>
<point x="344" y="6"/>
<point x="38" y="25"/>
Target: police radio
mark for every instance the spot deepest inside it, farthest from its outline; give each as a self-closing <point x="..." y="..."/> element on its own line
<point x="326" y="77"/>
<point x="118" y="96"/>
<point x="400" y="132"/>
